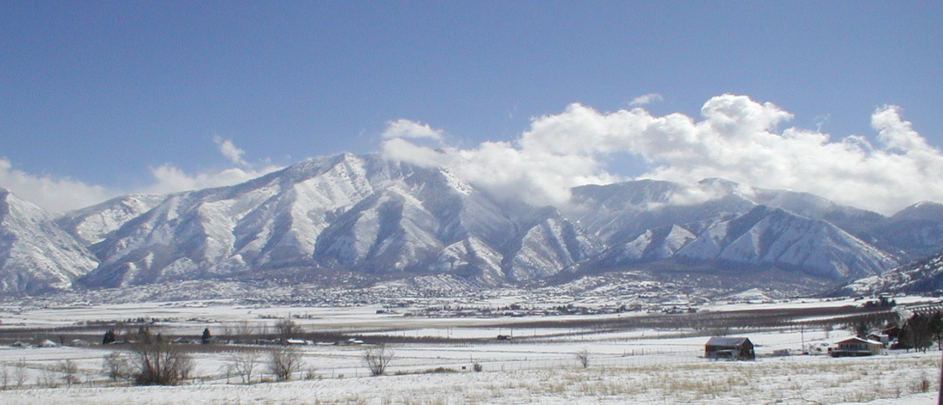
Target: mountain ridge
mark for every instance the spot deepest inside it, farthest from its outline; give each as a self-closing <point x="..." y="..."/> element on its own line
<point x="378" y="218"/>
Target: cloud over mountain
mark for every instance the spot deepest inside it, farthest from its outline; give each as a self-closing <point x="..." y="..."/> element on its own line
<point x="404" y="128"/>
<point x="57" y="194"/>
<point x="736" y="138"/>
<point x="61" y="194"/>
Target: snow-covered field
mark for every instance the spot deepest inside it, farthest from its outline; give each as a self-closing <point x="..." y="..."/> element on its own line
<point x="538" y="365"/>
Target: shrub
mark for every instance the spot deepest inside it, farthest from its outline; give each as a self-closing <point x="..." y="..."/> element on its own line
<point x="377" y="358"/>
<point x="117" y="366"/>
<point x="583" y="357"/>
<point x="159" y="363"/>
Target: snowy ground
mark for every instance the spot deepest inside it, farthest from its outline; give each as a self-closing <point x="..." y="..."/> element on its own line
<point x="538" y="365"/>
<point x="654" y="379"/>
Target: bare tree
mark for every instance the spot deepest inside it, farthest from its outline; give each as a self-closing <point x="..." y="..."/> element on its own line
<point x="583" y="357"/>
<point x="4" y="377"/>
<point x="377" y="358"/>
<point x="239" y="331"/>
<point x="157" y="362"/>
<point x="244" y="364"/>
<point x="19" y="373"/>
<point x="284" y="361"/>
<point x="286" y="329"/>
<point x="69" y="371"/>
<point x="47" y="378"/>
<point x="117" y="366"/>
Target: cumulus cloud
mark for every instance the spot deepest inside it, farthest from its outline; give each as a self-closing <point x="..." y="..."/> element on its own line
<point x="230" y="150"/>
<point x="170" y="179"/>
<point x="55" y="194"/>
<point x="534" y="176"/>
<point x="645" y="99"/>
<point x="404" y="128"/>
<point x="736" y="138"/>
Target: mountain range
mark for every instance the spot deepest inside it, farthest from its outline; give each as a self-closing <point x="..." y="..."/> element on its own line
<point x="324" y="218"/>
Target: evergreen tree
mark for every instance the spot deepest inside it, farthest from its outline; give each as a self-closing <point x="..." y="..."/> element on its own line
<point x="109" y="337"/>
<point x="936" y="328"/>
<point x="918" y="332"/>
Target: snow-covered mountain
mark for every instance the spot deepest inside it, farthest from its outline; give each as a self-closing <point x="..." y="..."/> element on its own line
<point x="774" y="237"/>
<point x="347" y="212"/>
<point x="922" y="276"/>
<point x="726" y="223"/>
<point x="94" y="224"/>
<point x="385" y="220"/>
<point x="913" y="233"/>
<point x="35" y="254"/>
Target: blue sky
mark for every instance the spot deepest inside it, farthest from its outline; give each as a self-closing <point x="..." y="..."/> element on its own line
<point x="104" y="93"/>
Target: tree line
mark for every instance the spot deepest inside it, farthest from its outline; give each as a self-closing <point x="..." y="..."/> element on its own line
<point x="152" y="359"/>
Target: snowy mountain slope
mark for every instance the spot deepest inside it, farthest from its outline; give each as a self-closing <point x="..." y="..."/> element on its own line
<point x="350" y="212"/>
<point x="550" y="245"/>
<point x="93" y="224"/>
<point x="922" y="276"/>
<point x="766" y="236"/>
<point x="653" y="244"/>
<point x="383" y="220"/>
<point x="761" y="237"/>
<point x="618" y="213"/>
<point x="718" y="220"/>
<point x="921" y="211"/>
<point x="267" y="222"/>
<point x="35" y="254"/>
<point x="914" y="232"/>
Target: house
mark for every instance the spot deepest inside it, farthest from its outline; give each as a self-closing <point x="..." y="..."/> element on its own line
<point x="47" y="343"/>
<point x="856" y="346"/>
<point x="731" y="348"/>
<point x="79" y="342"/>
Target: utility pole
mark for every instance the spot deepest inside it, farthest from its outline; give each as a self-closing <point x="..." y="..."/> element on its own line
<point x="802" y="336"/>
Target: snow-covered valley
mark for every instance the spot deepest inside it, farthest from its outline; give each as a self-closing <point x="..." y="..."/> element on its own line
<point x="633" y="357"/>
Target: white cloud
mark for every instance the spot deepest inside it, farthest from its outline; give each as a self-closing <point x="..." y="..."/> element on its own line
<point x="646" y="99"/>
<point x="170" y="179"/>
<point x="736" y="138"/>
<point x="54" y="194"/>
<point x="404" y="128"/>
<point x="230" y="150"/>
<point x="60" y="195"/>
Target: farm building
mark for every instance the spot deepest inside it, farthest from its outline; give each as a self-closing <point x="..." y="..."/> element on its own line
<point x="732" y="348"/>
<point x="856" y="346"/>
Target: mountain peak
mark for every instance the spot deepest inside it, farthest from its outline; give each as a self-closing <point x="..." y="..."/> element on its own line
<point x="924" y="210"/>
